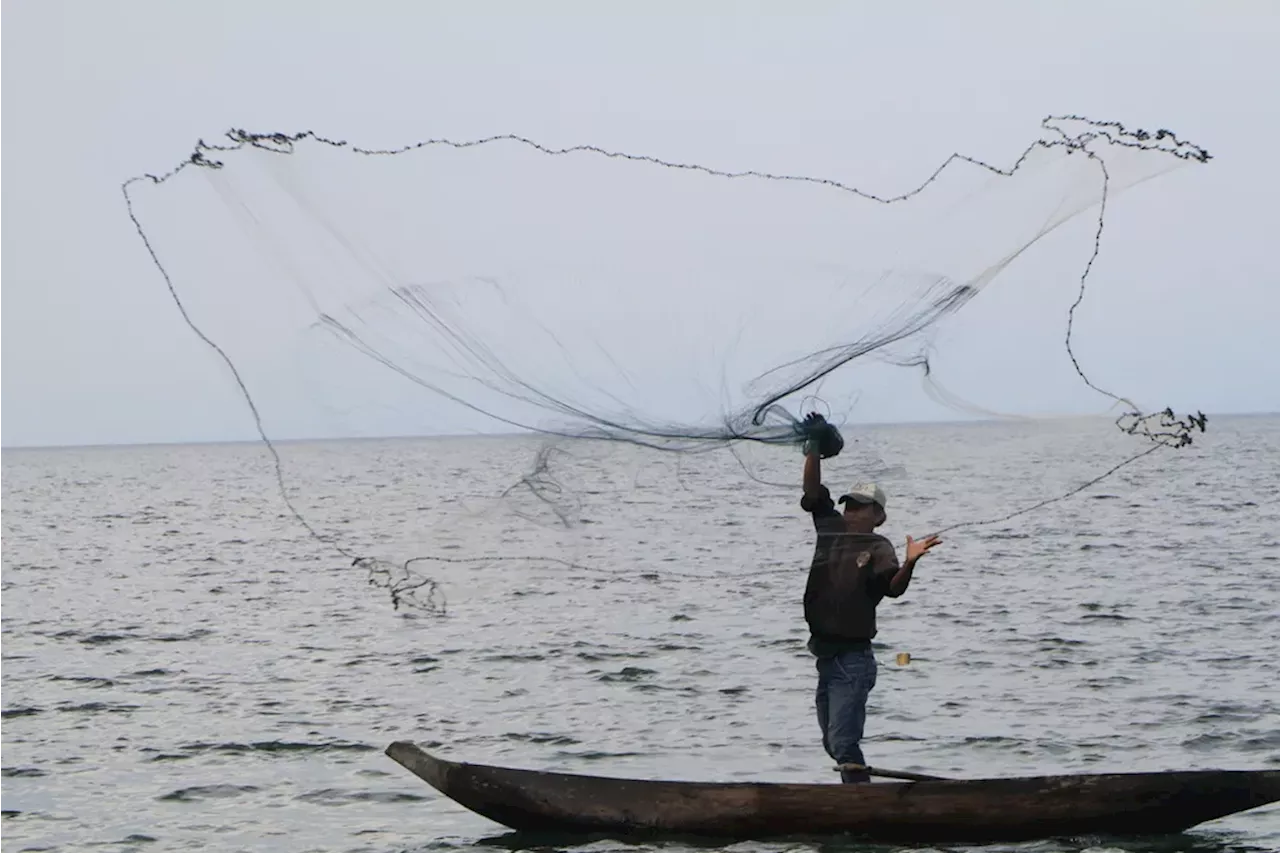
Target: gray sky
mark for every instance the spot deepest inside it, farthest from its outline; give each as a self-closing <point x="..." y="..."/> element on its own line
<point x="95" y="352"/>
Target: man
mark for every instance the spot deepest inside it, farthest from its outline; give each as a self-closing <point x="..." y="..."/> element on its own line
<point x="853" y="569"/>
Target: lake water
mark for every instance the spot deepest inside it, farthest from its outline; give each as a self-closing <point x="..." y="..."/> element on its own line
<point x="186" y="667"/>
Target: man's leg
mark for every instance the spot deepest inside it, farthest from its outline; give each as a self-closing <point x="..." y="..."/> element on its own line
<point x="853" y="674"/>
<point x="822" y="701"/>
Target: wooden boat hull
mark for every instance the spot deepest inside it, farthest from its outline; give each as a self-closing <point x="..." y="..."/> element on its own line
<point x="1012" y="809"/>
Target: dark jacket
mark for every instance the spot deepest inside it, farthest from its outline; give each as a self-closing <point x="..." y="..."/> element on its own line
<point x="849" y="576"/>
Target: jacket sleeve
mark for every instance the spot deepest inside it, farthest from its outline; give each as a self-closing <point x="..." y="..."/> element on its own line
<point x="818" y="503"/>
<point x="886" y="566"/>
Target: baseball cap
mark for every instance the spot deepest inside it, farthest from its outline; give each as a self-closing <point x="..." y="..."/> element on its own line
<point x="865" y="493"/>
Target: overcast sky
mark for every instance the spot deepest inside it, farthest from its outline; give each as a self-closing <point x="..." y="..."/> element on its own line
<point x="93" y="93"/>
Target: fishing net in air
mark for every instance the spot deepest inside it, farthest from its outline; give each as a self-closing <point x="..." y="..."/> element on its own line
<point x="585" y="297"/>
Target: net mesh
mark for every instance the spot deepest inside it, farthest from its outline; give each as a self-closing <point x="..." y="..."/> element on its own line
<point x="588" y="296"/>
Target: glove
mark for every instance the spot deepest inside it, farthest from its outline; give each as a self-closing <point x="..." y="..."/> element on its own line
<point x="820" y="436"/>
<point x="832" y="442"/>
<point x="811" y="430"/>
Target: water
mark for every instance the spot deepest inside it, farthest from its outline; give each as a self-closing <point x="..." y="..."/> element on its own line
<point x="185" y="668"/>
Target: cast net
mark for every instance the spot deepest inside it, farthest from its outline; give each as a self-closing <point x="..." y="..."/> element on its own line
<point x="590" y="297"/>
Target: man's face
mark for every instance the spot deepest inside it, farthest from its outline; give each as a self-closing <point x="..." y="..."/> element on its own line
<point x="865" y="514"/>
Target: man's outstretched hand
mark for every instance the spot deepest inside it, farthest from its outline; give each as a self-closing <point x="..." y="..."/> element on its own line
<point x="916" y="550"/>
<point x="821" y="437"/>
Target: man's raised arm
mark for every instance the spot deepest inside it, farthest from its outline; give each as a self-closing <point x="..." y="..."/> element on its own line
<point x="822" y="441"/>
<point x="812" y="471"/>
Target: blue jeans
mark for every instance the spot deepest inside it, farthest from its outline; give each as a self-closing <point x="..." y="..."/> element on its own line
<point x="844" y="682"/>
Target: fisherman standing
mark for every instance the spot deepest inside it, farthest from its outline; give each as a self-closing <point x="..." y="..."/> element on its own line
<point x="853" y="569"/>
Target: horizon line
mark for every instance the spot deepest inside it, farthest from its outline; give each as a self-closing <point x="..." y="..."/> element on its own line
<point x="976" y="421"/>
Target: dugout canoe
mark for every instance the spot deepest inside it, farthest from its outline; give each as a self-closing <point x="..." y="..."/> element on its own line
<point x="999" y="809"/>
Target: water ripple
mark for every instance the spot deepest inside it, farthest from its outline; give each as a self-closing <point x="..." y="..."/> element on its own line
<point x="184" y="668"/>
